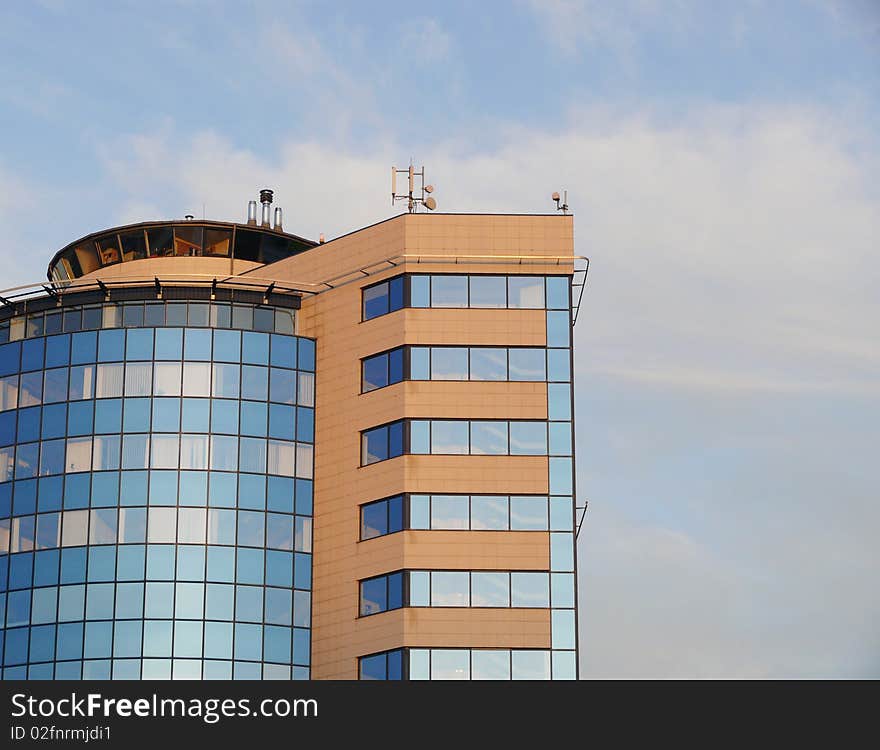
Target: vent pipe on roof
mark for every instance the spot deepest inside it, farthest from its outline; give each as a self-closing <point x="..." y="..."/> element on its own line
<point x="252" y="212"/>
<point x="278" y="219"/>
<point x="266" y="200"/>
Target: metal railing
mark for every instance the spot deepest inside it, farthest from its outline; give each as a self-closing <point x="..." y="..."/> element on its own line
<point x="58" y="289"/>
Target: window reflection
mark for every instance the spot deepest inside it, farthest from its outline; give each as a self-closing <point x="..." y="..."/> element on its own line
<point x="488" y="291"/>
<point x="488" y="664"/>
<point x="134" y="246"/>
<point x="530" y="665"/>
<point x="160" y="241"/>
<point x="217" y="241"/>
<point x="161" y="542"/>
<point x="449" y="437"/>
<point x="86" y="258"/>
<point x="188" y="240"/>
<point x="449" y="363"/>
<point x="450" y="664"/>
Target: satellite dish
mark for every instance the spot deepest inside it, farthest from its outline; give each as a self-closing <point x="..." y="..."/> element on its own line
<point x="430" y="204"/>
<point x="555" y="196"/>
<point x="429" y="188"/>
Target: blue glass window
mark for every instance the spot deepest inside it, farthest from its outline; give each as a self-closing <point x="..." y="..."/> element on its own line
<point x="29" y="424"/>
<point x="139" y="344"/>
<point x="527" y="364"/>
<point x="108" y="415"/>
<point x="255" y="348"/>
<point x="382" y="298"/>
<point x="227" y="346"/>
<point x="166" y="415"/>
<point x="282" y="421"/>
<point x="169" y="343"/>
<point x="449" y="437"/>
<point x="197" y="344"/>
<point x="488" y="291"/>
<point x="557" y="292"/>
<point x="254" y="418"/>
<point x="254" y="383"/>
<point x="306" y="348"/>
<point x="58" y="351"/>
<point x="374" y="519"/>
<point x="10" y="358"/>
<point x="111" y="345"/>
<point x="80" y="418"/>
<point x="488" y="363"/>
<point x="32" y="354"/>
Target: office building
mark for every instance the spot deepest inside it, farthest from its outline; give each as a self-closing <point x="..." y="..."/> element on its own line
<point x="230" y="452"/>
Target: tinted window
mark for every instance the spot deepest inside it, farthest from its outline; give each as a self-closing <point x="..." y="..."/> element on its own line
<point x="449" y="363"/>
<point x="525" y="291"/>
<point x="488" y="291"/>
<point x="449" y="437"/>
<point x="488" y="363"/>
<point x="527" y="364"/>
<point x="374" y="520"/>
<point x="375" y="301"/>
<point x="449" y="291"/>
<point x="375" y="445"/>
<point x="134" y="247"/>
<point x="449" y="512"/>
<point x="489" y="438"/>
<point x="375" y="372"/>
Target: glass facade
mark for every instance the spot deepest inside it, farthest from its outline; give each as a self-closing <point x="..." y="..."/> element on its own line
<point x="179" y="313"/>
<point x="156" y="493"/>
<point x="484" y="437"/>
<point x="554" y="589"/>
<point x="498" y="363"/>
<point x="465" y="588"/>
<point x="467" y="664"/>
<point x="465" y="512"/>
<point x="465" y="291"/>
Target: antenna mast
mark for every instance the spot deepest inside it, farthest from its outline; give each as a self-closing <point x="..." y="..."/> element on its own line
<point x="412" y="199"/>
<point x="561" y="203"/>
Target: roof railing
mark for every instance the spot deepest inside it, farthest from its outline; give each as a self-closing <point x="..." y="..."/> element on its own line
<point x="58" y="289"/>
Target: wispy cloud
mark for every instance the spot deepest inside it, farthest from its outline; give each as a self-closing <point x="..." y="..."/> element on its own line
<point x="723" y="247"/>
<point x="571" y="25"/>
<point x="424" y="41"/>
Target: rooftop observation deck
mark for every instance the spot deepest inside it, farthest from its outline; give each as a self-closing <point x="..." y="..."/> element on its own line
<point x="181" y="239"/>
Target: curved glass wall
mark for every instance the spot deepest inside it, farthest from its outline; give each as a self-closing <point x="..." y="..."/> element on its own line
<point x="156" y="504"/>
<point x="184" y="239"/>
<point x="178" y="313"/>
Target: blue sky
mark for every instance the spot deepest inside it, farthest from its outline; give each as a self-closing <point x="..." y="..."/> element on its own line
<point x="721" y="161"/>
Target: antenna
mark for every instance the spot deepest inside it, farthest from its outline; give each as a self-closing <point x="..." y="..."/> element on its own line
<point x="412" y="200"/>
<point x="564" y="205"/>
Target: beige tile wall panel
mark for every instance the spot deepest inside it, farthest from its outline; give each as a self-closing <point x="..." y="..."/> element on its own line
<point x="341" y="484"/>
<point x="477" y="628"/>
<point x="203" y="267"/>
<point x="514" y="475"/>
<point x="453" y="550"/>
<point x="437" y="234"/>
<point x="453" y="400"/>
<point x="425" y="627"/>
<point x="475" y="327"/>
<point x="466" y="399"/>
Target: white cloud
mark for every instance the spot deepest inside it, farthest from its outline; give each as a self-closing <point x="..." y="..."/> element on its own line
<point x="733" y="250"/>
